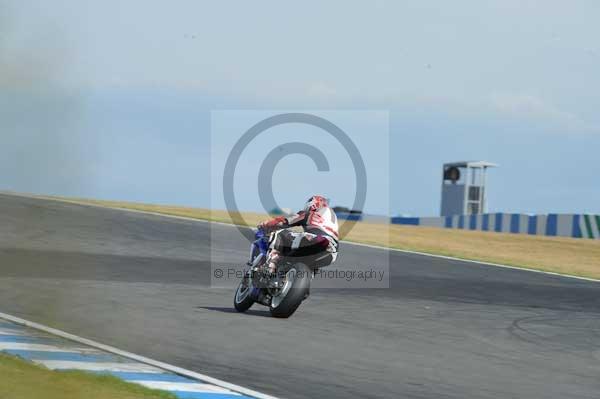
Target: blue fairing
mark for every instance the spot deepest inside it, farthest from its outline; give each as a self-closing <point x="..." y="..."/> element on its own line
<point x="261" y="243"/>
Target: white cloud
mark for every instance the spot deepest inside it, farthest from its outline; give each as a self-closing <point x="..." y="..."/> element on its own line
<point x="321" y="91"/>
<point x="527" y="106"/>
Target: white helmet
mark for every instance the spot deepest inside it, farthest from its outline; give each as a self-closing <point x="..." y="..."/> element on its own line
<point x="315" y="203"/>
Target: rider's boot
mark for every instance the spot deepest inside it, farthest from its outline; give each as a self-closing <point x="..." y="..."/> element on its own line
<point x="272" y="262"/>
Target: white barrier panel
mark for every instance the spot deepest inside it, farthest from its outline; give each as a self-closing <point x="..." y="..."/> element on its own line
<point x="564" y="225"/>
<point x="432" y="222"/>
<point x="541" y="225"/>
<point x="374" y="219"/>
<point x="506" y="222"/>
<point x="523" y="224"/>
<point x="479" y="224"/>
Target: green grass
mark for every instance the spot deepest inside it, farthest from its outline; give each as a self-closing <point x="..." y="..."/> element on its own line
<point x="20" y="379"/>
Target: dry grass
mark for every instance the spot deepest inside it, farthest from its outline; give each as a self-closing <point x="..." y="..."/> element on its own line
<point x="23" y="380"/>
<point x="580" y="257"/>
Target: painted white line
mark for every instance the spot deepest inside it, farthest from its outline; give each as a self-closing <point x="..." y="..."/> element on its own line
<point x="42" y="348"/>
<point x="22" y="333"/>
<point x="522" y="269"/>
<point x="141" y="359"/>
<point x="8" y="331"/>
<point x="185" y="387"/>
<point x="98" y="366"/>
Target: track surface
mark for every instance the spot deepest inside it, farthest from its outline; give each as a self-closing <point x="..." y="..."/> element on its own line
<point x="445" y="329"/>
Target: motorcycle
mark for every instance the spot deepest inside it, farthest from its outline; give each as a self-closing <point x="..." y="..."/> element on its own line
<point x="281" y="293"/>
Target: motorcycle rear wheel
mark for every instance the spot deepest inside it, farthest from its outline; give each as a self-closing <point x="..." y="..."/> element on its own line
<point x="294" y="291"/>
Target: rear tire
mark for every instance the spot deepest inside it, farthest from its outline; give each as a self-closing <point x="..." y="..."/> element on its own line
<point x="294" y="292"/>
<point x="242" y="300"/>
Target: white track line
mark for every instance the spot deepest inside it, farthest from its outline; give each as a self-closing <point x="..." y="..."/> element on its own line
<point x="41" y="348"/>
<point x="406" y="251"/>
<point x="132" y="356"/>
<point x="98" y="366"/>
<point x="6" y="331"/>
<point x="184" y="387"/>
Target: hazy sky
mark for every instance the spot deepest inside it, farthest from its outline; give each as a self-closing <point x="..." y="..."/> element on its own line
<point x="112" y="99"/>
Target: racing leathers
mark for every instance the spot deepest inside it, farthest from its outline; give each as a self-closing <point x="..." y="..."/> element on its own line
<point x="320" y="236"/>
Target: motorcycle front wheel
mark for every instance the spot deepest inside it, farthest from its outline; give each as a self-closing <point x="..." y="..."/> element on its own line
<point x="242" y="300"/>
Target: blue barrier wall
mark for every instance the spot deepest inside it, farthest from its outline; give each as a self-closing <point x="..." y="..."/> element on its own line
<point x="353" y="217"/>
<point x="405" y="220"/>
<point x="563" y="225"/>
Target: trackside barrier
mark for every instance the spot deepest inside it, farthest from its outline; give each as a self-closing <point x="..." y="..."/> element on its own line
<point x="358" y="217"/>
<point x="562" y="225"/>
<point x="353" y="217"/>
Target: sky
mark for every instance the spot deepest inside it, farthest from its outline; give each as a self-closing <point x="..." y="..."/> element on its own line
<point x="113" y="99"/>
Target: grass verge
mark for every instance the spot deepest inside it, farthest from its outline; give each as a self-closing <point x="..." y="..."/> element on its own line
<point x="574" y="256"/>
<point x="20" y="379"/>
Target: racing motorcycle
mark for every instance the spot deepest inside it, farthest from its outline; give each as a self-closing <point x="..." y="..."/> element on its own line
<point x="283" y="292"/>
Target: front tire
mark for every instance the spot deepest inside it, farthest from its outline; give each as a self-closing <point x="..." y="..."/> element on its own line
<point x="293" y="292"/>
<point x="242" y="300"/>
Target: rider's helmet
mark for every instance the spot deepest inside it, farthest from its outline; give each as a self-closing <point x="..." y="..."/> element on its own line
<point x="315" y="203"/>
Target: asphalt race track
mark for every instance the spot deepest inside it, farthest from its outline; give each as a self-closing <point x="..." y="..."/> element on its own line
<point x="444" y="329"/>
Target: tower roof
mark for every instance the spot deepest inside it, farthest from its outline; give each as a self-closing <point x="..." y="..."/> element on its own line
<point x="472" y="164"/>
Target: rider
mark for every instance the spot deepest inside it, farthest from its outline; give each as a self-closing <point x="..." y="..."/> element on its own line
<point x="320" y="233"/>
